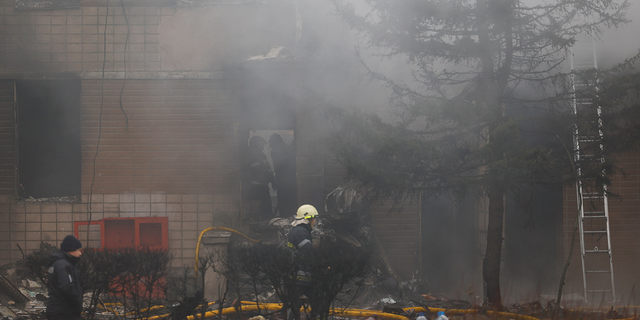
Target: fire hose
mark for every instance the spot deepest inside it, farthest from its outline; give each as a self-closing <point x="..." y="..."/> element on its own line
<point x="253" y="306"/>
<point x="348" y="312"/>
<point x="195" y="266"/>
<point x="353" y="312"/>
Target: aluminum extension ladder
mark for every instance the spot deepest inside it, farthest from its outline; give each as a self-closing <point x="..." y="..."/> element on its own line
<point x="595" y="235"/>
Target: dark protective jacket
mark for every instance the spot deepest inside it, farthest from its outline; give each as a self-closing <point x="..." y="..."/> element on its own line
<point x="299" y="239"/>
<point x="65" y="291"/>
<point x="284" y="165"/>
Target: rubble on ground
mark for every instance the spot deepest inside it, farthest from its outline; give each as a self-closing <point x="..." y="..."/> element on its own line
<point x="401" y="301"/>
<point x="23" y="296"/>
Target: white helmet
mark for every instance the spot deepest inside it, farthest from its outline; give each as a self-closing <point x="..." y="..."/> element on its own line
<point x="306" y="211"/>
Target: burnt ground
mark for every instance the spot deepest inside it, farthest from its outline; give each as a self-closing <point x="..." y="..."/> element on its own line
<point x="23" y="296"/>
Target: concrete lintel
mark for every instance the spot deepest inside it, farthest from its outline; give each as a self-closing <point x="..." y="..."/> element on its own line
<point x="8" y="75"/>
<point x="168" y="75"/>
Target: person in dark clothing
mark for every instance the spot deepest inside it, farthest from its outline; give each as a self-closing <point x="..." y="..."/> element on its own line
<point x="65" y="290"/>
<point x="259" y="176"/>
<point x="284" y="166"/>
<point x="299" y="239"/>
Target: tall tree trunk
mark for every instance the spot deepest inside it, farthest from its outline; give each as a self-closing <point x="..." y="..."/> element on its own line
<point x="493" y="253"/>
<point x="492" y="258"/>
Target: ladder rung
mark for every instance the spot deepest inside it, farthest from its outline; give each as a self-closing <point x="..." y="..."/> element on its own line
<point x="586" y="142"/>
<point x="597" y="251"/>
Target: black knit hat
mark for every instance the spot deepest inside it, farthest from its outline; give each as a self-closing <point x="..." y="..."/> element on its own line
<point x="70" y="243"/>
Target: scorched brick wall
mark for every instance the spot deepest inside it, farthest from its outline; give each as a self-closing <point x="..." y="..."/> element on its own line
<point x="178" y="138"/>
<point x="175" y="157"/>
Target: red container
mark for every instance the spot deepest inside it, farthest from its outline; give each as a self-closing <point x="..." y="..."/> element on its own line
<point x="143" y="232"/>
<point x="139" y="233"/>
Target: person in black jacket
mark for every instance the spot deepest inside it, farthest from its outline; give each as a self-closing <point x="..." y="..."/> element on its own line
<point x="284" y="167"/>
<point x="299" y="239"/>
<point x="65" y="291"/>
<point x="258" y="178"/>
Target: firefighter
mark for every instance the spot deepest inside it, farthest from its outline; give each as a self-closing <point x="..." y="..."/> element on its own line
<point x="258" y="178"/>
<point x="284" y="165"/>
<point x="299" y="239"/>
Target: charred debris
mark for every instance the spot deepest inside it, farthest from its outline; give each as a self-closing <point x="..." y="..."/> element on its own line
<point x="139" y="284"/>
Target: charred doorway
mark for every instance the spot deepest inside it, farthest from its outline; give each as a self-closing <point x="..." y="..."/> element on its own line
<point x="269" y="174"/>
<point x="48" y="138"/>
<point x="268" y="154"/>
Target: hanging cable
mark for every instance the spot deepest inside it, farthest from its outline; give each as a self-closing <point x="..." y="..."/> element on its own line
<point x="95" y="156"/>
<point x="124" y="64"/>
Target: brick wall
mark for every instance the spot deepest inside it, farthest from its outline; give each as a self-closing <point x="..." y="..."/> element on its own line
<point x="140" y="36"/>
<point x="166" y="138"/>
<point x="166" y="141"/>
<point x="73" y="40"/>
<point x="179" y="139"/>
<point x="24" y="225"/>
<point x="399" y="234"/>
<point x="624" y="224"/>
<point x="177" y="158"/>
<point x="398" y="229"/>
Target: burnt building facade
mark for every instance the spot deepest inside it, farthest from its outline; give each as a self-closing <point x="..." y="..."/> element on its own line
<point x="141" y="109"/>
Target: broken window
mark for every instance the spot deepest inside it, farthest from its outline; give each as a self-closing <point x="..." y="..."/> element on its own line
<point x="48" y="138"/>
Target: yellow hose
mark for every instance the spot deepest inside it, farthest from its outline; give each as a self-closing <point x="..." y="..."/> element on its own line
<point x="475" y="311"/>
<point x="266" y="306"/>
<point x="253" y="306"/>
<point x="350" y="312"/>
<point x="278" y="306"/>
<point x="195" y="274"/>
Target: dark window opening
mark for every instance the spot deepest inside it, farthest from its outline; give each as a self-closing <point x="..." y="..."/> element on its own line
<point x="268" y="152"/>
<point x="48" y="138"/>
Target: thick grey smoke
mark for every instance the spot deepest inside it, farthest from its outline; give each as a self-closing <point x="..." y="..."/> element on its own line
<point x="316" y="63"/>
